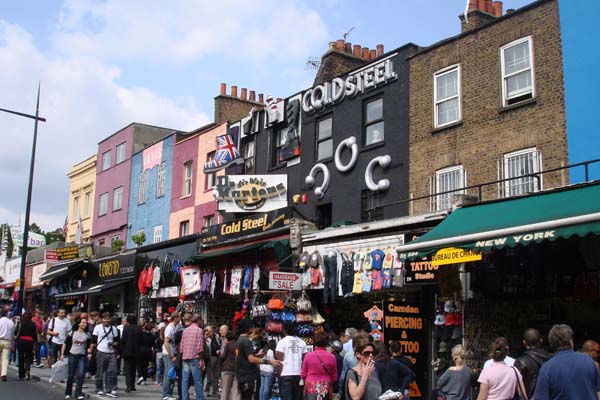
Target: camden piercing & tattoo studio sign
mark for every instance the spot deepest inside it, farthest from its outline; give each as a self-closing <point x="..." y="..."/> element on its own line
<point x="243" y="227"/>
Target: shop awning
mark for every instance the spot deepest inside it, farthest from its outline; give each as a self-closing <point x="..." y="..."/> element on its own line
<point x="92" y="289"/>
<point x="274" y="244"/>
<point x="518" y="221"/>
<point x="60" y="269"/>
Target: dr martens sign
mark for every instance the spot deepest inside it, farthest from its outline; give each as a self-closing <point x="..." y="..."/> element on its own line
<point x="336" y="90"/>
<point x="250" y="193"/>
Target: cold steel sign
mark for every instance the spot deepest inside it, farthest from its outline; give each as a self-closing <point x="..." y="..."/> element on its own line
<point x="243" y="227"/>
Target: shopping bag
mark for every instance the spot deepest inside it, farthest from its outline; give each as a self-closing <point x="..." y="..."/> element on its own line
<point x="60" y="370"/>
<point x="172" y="373"/>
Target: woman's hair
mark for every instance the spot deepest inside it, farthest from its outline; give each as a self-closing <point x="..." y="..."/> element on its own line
<point x="381" y="352"/>
<point x="458" y="351"/>
<point x="361" y="346"/>
<point x="78" y="323"/>
<point x="26" y="318"/>
<point x="499" y="349"/>
<point x="320" y="339"/>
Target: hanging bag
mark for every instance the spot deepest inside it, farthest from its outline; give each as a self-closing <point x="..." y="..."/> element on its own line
<point x="303" y="304"/>
<point x="520" y="392"/>
<point x="258" y="310"/>
<point x="276" y="304"/>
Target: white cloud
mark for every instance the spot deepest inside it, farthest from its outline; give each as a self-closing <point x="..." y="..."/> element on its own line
<point x="83" y="103"/>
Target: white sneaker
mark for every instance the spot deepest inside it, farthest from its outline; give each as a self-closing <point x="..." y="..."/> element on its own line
<point x="101" y="393"/>
<point x="140" y="380"/>
<point x="67" y="396"/>
<point x="80" y="397"/>
<point x="112" y="394"/>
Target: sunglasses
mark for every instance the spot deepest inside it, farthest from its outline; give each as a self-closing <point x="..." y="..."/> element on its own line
<point x="367" y="353"/>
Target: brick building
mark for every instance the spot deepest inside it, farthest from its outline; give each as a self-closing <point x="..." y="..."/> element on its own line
<point x="488" y="104"/>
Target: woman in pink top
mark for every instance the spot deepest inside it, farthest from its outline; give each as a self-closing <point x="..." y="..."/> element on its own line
<point x="319" y="370"/>
<point x="499" y="382"/>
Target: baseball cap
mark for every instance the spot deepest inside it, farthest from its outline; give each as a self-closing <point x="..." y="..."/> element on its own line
<point x="440" y="319"/>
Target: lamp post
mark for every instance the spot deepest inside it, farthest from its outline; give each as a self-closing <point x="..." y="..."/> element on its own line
<point x="37" y="118"/>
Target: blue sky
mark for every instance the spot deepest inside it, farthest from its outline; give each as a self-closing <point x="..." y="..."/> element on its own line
<point x="104" y="64"/>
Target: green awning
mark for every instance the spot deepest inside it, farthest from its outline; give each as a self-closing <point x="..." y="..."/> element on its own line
<point x="277" y="245"/>
<point x="512" y="222"/>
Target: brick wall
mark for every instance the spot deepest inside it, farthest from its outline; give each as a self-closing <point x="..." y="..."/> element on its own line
<point x="488" y="131"/>
<point x="335" y="63"/>
<point x="229" y="108"/>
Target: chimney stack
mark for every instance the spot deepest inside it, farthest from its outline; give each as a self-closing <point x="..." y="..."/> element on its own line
<point x="348" y="48"/>
<point x="356" y="50"/>
<point x="244" y="95"/>
<point x="479" y="13"/>
<point x="379" y="50"/>
<point x="372" y="54"/>
<point x="233" y="91"/>
<point x="497" y="8"/>
<point x="252" y="95"/>
<point x="261" y="98"/>
<point x="340" y="44"/>
<point x="223" y="89"/>
<point x="365" y="53"/>
<point x="331" y="45"/>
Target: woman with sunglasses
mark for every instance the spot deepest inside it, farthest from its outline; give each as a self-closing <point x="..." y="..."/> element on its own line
<point x="362" y="381"/>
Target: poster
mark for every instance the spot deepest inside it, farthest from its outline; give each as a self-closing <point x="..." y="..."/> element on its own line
<point x="190" y="280"/>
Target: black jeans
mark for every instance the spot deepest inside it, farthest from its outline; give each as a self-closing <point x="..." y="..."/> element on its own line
<point x="247" y="389"/>
<point x="289" y="387"/>
<point x="129" y="364"/>
<point x="25" y="348"/>
<point x="330" y="281"/>
<point x="143" y="360"/>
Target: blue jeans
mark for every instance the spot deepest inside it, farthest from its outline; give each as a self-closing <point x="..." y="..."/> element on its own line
<point x="266" y="380"/>
<point x="191" y="367"/>
<point x="167" y="387"/>
<point x="289" y="387"/>
<point x="160" y="365"/>
<point x="77" y="367"/>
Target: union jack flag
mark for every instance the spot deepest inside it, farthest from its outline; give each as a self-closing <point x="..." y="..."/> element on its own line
<point x="227" y="153"/>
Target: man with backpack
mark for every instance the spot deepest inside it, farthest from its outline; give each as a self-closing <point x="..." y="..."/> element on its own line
<point x="105" y="339"/>
<point x="531" y="361"/>
<point x="58" y="328"/>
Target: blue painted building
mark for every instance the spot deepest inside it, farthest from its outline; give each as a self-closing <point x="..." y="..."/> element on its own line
<point x="150" y="192"/>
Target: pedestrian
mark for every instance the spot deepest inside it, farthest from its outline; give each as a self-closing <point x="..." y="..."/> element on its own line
<point x="246" y="363"/>
<point x="93" y="320"/>
<point x="267" y="371"/>
<point x="290" y="351"/>
<point x="57" y="331"/>
<point x="229" y="385"/>
<point x="455" y="383"/>
<point x="336" y="349"/>
<point x="169" y="355"/>
<point x="591" y="348"/>
<point x="350" y="359"/>
<point x="362" y="380"/>
<point x="25" y="332"/>
<point x="499" y="381"/>
<point x="159" y="339"/>
<point x="508" y="360"/>
<point x="105" y="339"/>
<point x="392" y="373"/>
<point x="76" y="349"/>
<point x="319" y="370"/>
<point x="6" y="331"/>
<point x="192" y="341"/>
<point x="129" y="350"/>
<point x="568" y="375"/>
<point x="212" y="369"/>
<point x="145" y="355"/>
<point x="120" y="324"/>
<point x="531" y="361"/>
<point x="347" y="339"/>
<point x="39" y="338"/>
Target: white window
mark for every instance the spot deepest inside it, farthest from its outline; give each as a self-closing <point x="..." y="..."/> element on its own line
<point x="516" y="61"/>
<point x="447" y="96"/>
<point x="248" y="155"/>
<point x="105" y="160"/>
<point x="187" y="178"/>
<point x="160" y="180"/>
<point x="157" y="237"/>
<point x="76" y="208"/>
<point x="113" y="238"/>
<point x="87" y="204"/>
<point x="280" y="137"/>
<point x="324" y="139"/>
<point x="103" y="204"/>
<point x="142" y="187"/>
<point x="519" y="164"/>
<point x="118" y="199"/>
<point x="184" y="228"/>
<point x="209" y="220"/>
<point x="448" y="179"/>
<point x="120" y="153"/>
<point x="374" y="124"/>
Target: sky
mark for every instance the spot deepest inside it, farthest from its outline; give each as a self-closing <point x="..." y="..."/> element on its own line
<point x="105" y="64"/>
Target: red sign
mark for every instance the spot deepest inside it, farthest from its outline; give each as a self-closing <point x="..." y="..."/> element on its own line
<point x="284" y="281"/>
<point x="51" y="255"/>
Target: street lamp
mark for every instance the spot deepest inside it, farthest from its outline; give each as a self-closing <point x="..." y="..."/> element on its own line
<point x="37" y="118"/>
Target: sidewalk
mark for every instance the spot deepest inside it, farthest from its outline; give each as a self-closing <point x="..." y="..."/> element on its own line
<point x="148" y="391"/>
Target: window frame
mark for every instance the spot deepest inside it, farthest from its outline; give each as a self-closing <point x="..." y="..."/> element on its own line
<point x="367" y="124"/>
<point x="115" y="191"/>
<point x="375" y="212"/>
<point x="114" y="238"/>
<point x="210" y="218"/>
<point x="319" y="140"/>
<point x="537" y="168"/>
<point x="100" y="197"/>
<point x="184" y="224"/>
<point x="143" y="186"/>
<point x="87" y="206"/>
<point x="439" y="198"/>
<point x="76" y="208"/>
<point x="210" y="177"/>
<point x="437" y="102"/>
<point x="185" y="191"/>
<point x="161" y="177"/>
<point x="157" y="233"/>
<point x="246" y="157"/>
<point x="106" y="159"/>
<point x="505" y="98"/>
<point x="122" y="147"/>
<point x="276" y="146"/>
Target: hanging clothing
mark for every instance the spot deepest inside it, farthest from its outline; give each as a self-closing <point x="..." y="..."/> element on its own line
<point x="347" y="274"/>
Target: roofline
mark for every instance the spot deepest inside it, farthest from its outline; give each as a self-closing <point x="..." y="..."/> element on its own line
<point x="153" y="143"/>
<point x="134" y="123"/>
<point x="519" y="11"/>
<point x="167" y="243"/>
<point x="81" y="165"/>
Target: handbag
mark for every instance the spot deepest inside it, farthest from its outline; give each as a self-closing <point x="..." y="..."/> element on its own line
<point x="259" y="311"/>
<point x="275" y="303"/>
<point x="303" y="304"/>
<point x="520" y="392"/>
<point x="274" y="327"/>
<point x="303" y="317"/>
<point x="288" y="316"/>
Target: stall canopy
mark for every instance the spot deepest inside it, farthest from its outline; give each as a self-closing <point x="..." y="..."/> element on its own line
<point x="58" y="270"/>
<point x="281" y="248"/>
<point x="518" y="221"/>
<point x="94" y="288"/>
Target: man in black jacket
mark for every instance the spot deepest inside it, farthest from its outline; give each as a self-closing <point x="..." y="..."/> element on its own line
<point x="130" y="349"/>
<point x="531" y="361"/>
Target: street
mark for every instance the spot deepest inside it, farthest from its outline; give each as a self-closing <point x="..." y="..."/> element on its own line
<point x="15" y="389"/>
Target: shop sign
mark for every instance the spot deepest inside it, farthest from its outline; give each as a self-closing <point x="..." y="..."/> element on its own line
<point x="250" y="193"/>
<point x="284" y="281"/>
<point x="12" y="270"/>
<point x="421" y="271"/>
<point x="36" y="272"/>
<point x="34" y="239"/>
<point x="171" y="291"/>
<point x="244" y="227"/>
<point x="516" y="239"/>
<point x="454" y="255"/>
<point x="67" y="253"/>
<point x="336" y="90"/>
<point x="152" y="156"/>
<point x="51" y="255"/>
<point x="121" y="266"/>
<point x="405" y="323"/>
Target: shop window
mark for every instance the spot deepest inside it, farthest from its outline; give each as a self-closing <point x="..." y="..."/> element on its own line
<point x="76" y="208"/>
<point x="248" y="155"/>
<point x="324" y="139"/>
<point x="371" y="206"/>
<point x="374" y="124"/>
<point x="279" y="136"/>
<point x="187" y="179"/>
<point x="184" y="228"/>
<point x="87" y="205"/>
<point x="448" y="179"/>
<point x="142" y="187"/>
<point x="117" y="199"/>
<point x="209" y="220"/>
<point x="157" y="234"/>
<point x="160" y="179"/>
<point x="103" y="204"/>
<point x="210" y="178"/>
<point x="516" y="62"/>
<point x="519" y="164"/>
<point x="447" y="96"/>
<point x="324" y="216"/>
<point x="120" y="153"/>
<point x="105" y="160"/>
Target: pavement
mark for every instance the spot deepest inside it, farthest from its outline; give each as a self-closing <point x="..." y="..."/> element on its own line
<point x="148" y="391"/>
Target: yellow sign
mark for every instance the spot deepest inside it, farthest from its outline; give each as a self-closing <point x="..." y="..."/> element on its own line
<point x="454" y="255"/>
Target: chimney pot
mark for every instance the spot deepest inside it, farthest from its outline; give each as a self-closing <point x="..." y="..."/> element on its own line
<point x="233" y="91"/>
<point x="473" y="4"/>
<point x="510" y="10"/>
<point x="223" y="89"/>
<point x="261" y="98"/>
<point x="497" y="8"/>
<point x="244" y="95"/>
<point x="356" y="51"/>
<point x="340" y="44"/>
<point x="365" y="53"/>
<point x="488" y="7"/>
<point x="252" y="95"/>
<point x="331" y="45"/>
<point x="348" y="48"/>
<point x="373" y="54"/>
<point x="379" y="50"/>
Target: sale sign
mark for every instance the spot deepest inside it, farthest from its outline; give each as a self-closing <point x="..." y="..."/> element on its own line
<point x="284" y="281"/>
